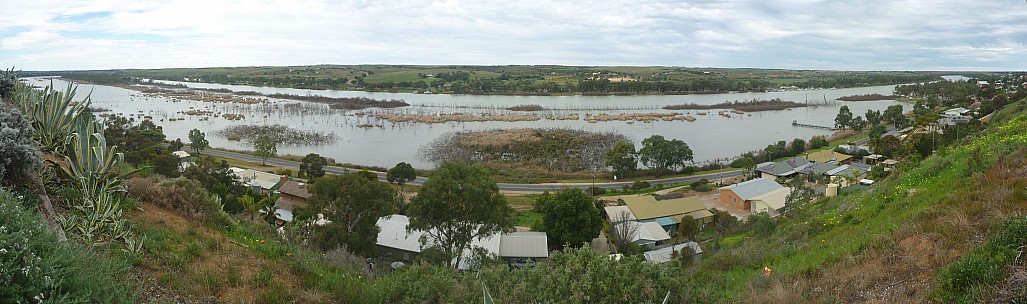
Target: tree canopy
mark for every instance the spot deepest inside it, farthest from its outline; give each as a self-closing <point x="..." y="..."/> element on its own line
<point x="197" y="140"/>
<point x="664" y="155"/>
<point x="570" y="217"/>
<point x="312" y="166"/>
<point x="458" y="204"/>
<point x="265" y="148"/>
<point x="844" y="118"/>
<point x="353" y="203"/>
<point x="621" y="157"/>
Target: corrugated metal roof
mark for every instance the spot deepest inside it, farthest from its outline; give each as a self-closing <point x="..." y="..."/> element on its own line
<point x="647" y="207"/>
<point x="774" y="199"/>
<point x="651" y="231"/>
<point x="748" y="190"/>
<point x="393" y="233"/>
<point x="663" y="221"/>
<point x="524" y="245"/>
<point x="614" y="211"/>
<point x="663" y="255"/>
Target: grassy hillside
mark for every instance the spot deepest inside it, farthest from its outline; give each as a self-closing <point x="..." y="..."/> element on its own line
<point x="892" y="242"/>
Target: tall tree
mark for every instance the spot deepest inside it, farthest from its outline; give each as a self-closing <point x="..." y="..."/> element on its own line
<point x="873" y="117"/>
<point x="844" y="118"/>
<point x="197" y="140"/>
<point x="265" y="148"/>
<point x="664" y="155"/>
<point x="874" y="135"/>
<point x="570" y="217"/>
<point x="400" y="175"/>
<point x="858" y="124"/>
<point x="458" y="204"/>
<point x="353" y="202"/>
<point x="621" y="157"/>
<point x="893" y="114"/>
<point x="312" y="166"/>
<point x="798" y="146"/>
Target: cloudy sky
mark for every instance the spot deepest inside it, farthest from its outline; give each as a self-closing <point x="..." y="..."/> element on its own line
<point x="793" y="34"/>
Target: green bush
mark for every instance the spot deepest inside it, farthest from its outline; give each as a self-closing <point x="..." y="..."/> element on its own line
<point x="639" y="185"/>
<point x="19" y="153"/>
<point x="35" y="267"/>
<point x="596" y="191"/>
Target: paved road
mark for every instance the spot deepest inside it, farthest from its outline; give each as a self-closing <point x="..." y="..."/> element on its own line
<point x="532" y="188"/>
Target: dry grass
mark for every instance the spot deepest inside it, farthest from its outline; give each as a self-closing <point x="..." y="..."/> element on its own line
<point x="498" y="137"/>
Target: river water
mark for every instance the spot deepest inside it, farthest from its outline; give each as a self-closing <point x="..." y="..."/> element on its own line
<point x="710" y="136"/>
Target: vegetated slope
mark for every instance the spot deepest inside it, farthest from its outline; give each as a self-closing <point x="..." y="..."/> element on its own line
<point x="892" y="242"/>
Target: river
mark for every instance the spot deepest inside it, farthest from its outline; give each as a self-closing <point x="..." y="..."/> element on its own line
<point x="710" y="136"/>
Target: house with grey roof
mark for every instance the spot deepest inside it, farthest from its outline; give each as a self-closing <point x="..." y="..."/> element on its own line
<point x="646" y="234"/>
<point x="843" y="174"/>
<point x="394" y="242"/>
<point x="740" y="195"/>
<point x="786" y="168"/>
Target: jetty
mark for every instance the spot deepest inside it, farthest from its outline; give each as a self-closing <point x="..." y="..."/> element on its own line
<point x="797" y="124"/>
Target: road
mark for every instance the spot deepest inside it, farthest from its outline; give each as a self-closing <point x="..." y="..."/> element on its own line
<point x="528" y="188"/>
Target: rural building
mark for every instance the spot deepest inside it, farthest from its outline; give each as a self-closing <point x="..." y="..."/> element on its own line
<point x="740" y="195"/>
<point x="786" y="168"/>
<point x="771" y="202"/>
<point x="843" y="174"/>
<point x="263" y="182"/>
<point x="955" y="112"/>
<point x="293" y="194"/>
<point x="646" y="234"/>
<point x="394" y="242"/>
<point x="184" y="160"/>
<point x="829" y="157"/>
<point x="816" y="169"/>
<point x="667" y="212"/>
<point x="665" y="254"/>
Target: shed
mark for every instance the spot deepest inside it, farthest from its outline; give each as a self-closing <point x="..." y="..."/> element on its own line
<point x="665" y="254"/>
<point x="740" y="195"/>
<point x="524" y="245"/>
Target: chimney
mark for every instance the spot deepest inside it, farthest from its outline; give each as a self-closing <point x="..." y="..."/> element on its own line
<point x="282" y="180"/>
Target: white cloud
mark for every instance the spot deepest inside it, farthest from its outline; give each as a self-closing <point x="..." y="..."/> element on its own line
<point x="865" y="35"/>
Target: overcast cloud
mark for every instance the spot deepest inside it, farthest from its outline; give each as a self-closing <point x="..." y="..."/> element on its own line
<point x="793" y="34"/>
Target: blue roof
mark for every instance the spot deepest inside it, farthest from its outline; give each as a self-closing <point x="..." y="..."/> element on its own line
<point x="663" y="221"/>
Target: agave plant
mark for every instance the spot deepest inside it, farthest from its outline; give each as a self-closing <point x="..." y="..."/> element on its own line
<point x="97" y="220"/>
<point x="53" y="113"/>
<point x="95" y="166"/>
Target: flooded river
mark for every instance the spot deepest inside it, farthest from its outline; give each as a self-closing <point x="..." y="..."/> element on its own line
<point x="710" y="136"/>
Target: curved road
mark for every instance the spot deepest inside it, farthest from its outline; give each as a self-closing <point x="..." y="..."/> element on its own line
<point x="534" y="188"/>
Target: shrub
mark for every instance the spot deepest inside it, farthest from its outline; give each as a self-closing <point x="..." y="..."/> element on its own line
<point x="596" y="191"/>
<point x="185" y="196"/>
<point x="639" y="185"/>
<point x="689" y="169"/>
<point x="19" y="153"/>
<point x="35" y="267"/>
<point x="963" y="280"/>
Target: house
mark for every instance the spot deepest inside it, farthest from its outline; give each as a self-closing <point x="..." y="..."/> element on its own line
<point x="853" y="149"/>
<point x="646" y="234"/>
<point x="955" y="112"/>
<point x="829" y="157"/>
<point x="665" y="254"/>
<point x="394" y="242"/>
<point x="617" y="214"/>
<point x="184" y="160"/>
<point x="668" y="212"/>
<point x="771" y="202"/>
<point x="740" y="195"/>
<point x="816" y="169"/>
<point x="293" y="194"/>
<point x="843" y="174"/>
<point x="258" y="181"/>
<point x="786" y="168"/>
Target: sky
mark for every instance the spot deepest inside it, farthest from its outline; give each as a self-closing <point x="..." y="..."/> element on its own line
<point x="789" y="34"/>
